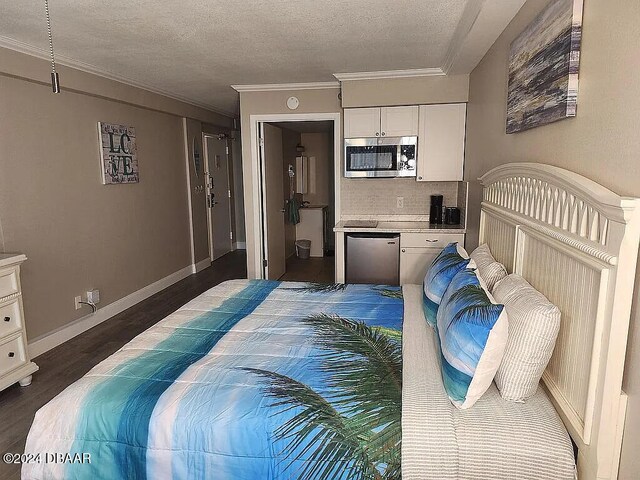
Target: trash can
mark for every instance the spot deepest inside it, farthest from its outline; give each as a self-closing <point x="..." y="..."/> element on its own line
<point x="303" y="248"/>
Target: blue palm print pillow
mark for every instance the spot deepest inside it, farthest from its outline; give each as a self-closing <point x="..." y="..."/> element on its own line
<point x="444" y="267"/>
<point x="472" y="329"/>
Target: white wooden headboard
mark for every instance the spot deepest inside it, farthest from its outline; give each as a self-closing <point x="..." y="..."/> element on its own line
<point x="577" y="243"/>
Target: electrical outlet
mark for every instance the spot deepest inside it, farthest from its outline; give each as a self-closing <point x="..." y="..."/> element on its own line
<point x="399" y="202"/>
<point x="77" y="301"/>
<point x="93" y="296"/>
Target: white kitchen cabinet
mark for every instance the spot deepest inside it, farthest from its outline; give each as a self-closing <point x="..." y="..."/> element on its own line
<point x="414" y="263"/>
<point x="381" y="122"/>
<point x="361" y="122"/>
<point x="15" y="364"/>
<point x="417" y="251"/>
<point x="399" y="121"/>
<point x="441" y="141"/>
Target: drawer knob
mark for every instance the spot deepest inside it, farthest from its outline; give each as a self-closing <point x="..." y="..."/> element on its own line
<point x="403" y="250"/>
<point x="12" y="354"/>
<point x="431" y="241"/>
<point x="7" y="319"/>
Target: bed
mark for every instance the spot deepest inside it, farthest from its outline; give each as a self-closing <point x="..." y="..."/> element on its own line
<point x="219" y="388"/>
<point x="258" y="379"/>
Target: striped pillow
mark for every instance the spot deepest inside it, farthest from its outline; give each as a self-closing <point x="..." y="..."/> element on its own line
<point x="490" y="270"/>
<point x="533" y="327"/>
<point x="473" y="330"/>
<point x="444" y="267"/>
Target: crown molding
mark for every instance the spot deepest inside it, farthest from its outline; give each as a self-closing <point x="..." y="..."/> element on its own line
<point x="414" y="72"/>
<point x="28" y="49"/>
<point x="467" y="21"/>
<point x="266" y="87"/>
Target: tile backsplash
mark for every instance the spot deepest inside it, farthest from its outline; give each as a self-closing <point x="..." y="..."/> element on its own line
<point x="463" y="187"/>
<point x="377" y="196"/>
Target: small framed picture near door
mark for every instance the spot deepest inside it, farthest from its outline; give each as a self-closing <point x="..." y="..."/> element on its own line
<point x="118" y="154"/>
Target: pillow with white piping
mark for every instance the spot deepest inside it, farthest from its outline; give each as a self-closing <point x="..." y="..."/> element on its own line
<point x="534" y="323"/>
<point x="490" y="270"/>
<point x="473" y="329"/>
<point x="444" y="267"/>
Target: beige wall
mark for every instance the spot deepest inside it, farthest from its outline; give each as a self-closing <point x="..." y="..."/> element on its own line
<point x="38" y="71"/>
<point x="238" y="200"/>
<point x="601" y="143"/>
<point x="273" y="102"/>
<point x="200" y="237"/>
<point x="290" y="140"/>
<point x="405" y="91"/>
<point x="78" y="233"/>
<point x="320" y="146"/>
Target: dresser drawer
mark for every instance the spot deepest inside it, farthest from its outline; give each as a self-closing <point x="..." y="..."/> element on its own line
<point x="435" y="240"/>
<point x="10" y="318"/>
<point x="9" y="282"/>
<point x="12" y="355"/>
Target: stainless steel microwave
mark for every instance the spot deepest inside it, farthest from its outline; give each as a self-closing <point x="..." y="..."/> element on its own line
<point x="380" y="157"/>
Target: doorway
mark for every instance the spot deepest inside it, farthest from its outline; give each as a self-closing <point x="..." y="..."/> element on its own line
<point x="218" y="191"/>
<point x="297" y="160"/>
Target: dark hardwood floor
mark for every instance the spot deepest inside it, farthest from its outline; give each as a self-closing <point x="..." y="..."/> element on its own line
<point x="314" y="269"/>
<point x="67" y="363"/>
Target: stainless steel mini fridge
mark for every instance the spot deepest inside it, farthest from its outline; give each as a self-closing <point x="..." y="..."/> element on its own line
<point x="373" y="258"/>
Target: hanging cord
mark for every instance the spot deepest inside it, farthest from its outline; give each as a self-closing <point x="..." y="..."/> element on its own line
<point x="55" y="79"/>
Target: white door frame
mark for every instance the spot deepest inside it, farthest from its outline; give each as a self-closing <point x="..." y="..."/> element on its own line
<point x="207" y="175"/>
<point x="257" y="177"/>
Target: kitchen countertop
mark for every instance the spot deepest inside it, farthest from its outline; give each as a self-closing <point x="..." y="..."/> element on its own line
<point x="311" y="207"/>
<point x="407" y="226"/>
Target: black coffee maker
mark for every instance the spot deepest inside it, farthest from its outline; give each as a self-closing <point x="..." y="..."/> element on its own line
<point x="435" y="211"/>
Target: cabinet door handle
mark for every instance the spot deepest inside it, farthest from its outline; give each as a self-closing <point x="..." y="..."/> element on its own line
<point x="7" y="319"/>
<point x="377" y="134"/>
<point x="384" y="133"/>
<point x="419" y="178"/>
<point x="403" y="250"/>
<point x="431" y="241"/>
<point x="11" y="354"/>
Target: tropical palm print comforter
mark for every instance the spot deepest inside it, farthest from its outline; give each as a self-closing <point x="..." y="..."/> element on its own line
<point x="251" y="380"/>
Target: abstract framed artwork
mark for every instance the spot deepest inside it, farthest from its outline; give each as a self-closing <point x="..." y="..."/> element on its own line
<point x="118" y="154"/>
<point x="543" y="67"/>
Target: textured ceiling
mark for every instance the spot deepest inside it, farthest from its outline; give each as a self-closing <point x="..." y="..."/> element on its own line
<point x="197" y="49"/>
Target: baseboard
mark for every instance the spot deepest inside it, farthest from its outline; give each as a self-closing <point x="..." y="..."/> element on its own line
<point x="240" y="246"/>
<point x="201" y="265"/>
<point x="44" y="343"/>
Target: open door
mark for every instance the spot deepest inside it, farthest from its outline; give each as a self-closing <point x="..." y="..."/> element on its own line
<point x="272" y="200"/>
<point x="218" y="195"/>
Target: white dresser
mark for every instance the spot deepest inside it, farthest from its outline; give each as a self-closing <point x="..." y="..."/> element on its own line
<point x="15" y="365"/>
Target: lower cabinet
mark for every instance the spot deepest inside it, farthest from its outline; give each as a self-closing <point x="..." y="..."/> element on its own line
<point x="417" y="251"/>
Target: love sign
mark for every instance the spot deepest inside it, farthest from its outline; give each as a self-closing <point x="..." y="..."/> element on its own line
<point x="118" y="154"/>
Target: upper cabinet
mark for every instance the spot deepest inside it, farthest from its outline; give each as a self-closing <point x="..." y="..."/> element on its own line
<point x="381" y="122"/>
<point x="441" y="142"/>
<point x="361" y="122"/>
<point x="399" y="121"/>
